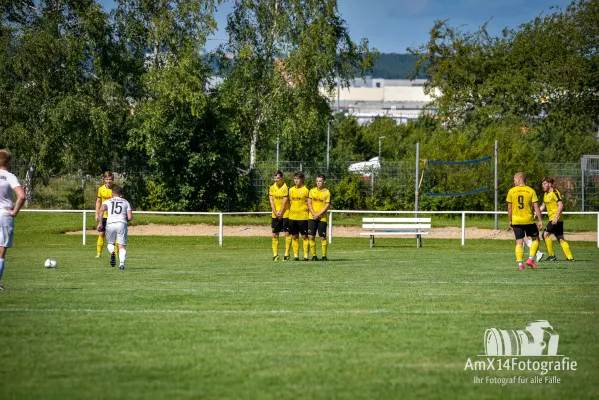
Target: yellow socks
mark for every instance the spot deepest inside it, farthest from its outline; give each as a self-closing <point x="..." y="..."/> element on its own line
<point x="323" y="243"/>
<point x="566" y="249"/>
<point x="275" y="246"/>
<point x="306" y="244"/>
<point x="313" y="247"/>
<point x="534" y="248"/>
<point x="100" y="244"/>
<point x="549" y="244"/>
<point x="295" y="243"/>
<point x="519" y="253"/>
<point x="287" y="245"/>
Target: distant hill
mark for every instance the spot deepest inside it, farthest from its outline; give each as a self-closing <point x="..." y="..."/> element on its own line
<point x="394" y="66"/>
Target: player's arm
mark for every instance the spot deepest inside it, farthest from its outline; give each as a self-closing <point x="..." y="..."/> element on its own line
<point x="314" y="215"/>
<point x="538" y="214"/>
<point x="272" y="205"/>
<point x="326" y="207"/>
<point x="98" y="206"/>
<point x="129" y="215"/>
<point x="284" y="205"/>
<point x="20" y="200"/>
<point x="99" y="211"/>
<point x="509" y="214"/>
<point x="560" y="208"/>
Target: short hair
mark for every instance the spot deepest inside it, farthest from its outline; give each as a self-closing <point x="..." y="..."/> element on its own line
<point x="299" y="175"/>
<point x="522" y="176"/>
<point x="324" y="178"/>
<point x="548" y="179"/>
<point x="278" y="172"/>
<point x="5" y="157"/>
<point x="108" y="174"/>
<point x="117" y="190"/>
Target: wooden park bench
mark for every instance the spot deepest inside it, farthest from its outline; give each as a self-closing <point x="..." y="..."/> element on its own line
<point x="395" y="226"/>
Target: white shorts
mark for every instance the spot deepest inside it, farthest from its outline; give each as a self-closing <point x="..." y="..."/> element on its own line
<point x="7" y="229"/>
<point x="116" y="231"/>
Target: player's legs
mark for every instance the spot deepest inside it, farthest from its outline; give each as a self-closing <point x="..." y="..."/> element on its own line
<point x="532" y="231"/>
<point x="111" y="232"/>
<point x="287" y="238"/>
<point x="121" y="237"/>
<point x="559" y="234"/>
<point x="322" y="232"/>
<point x="7" y="224"/>
<point x="276" y="225"/>
<point x="312" y="227"/>
<point x="294" y="232"/>
<point x="303" y="230"/>
<point x="100" y="242"/>
<point x="519" y="236"/>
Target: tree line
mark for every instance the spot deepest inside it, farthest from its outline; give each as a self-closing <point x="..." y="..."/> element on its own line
<point x="80" y="86"/>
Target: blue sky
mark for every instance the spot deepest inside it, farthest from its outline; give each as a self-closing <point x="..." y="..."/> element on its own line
<point x="393" y="25"/>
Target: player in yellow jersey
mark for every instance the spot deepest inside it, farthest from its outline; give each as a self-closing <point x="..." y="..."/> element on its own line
<point x="298" y="215"/>
<point x="319" y="201"/>
<point x="104" y="193"/>
<point x="522" y="201"/>
<point x="278" y="194"/>
<point x="552" y="201"/>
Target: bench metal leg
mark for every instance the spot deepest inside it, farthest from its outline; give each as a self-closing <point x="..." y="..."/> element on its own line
<point x="418" y="241"/>
<point x="371" y="241"/>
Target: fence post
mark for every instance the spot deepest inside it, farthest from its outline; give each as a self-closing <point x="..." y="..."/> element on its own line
<point x="331" y="226"/>
<point x="463" y="228"/>
<point x="220" y="229"/>
<point x="84" y="225"/>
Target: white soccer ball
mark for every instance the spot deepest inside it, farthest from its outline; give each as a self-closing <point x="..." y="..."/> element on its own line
<point x="51" y="263"/>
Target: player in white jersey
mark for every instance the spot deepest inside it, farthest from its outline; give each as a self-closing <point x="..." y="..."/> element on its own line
<point x="119" y="213"/>
<point x="8" y="210"/>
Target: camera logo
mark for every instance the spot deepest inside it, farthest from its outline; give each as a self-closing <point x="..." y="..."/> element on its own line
<point x="537" y="339"/>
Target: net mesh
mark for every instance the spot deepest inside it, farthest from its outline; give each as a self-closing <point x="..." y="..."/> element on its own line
<point x="458" y="178"/>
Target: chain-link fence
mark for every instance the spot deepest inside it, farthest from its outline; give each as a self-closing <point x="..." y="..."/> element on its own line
<point x="77" y="188"/>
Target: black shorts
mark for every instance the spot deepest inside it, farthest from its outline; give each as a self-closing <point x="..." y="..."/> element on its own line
<point x="298" y="226"/>
<point x="530" y="230"/>
<point x="103" y="225"/>
<point x="280" y="225"/>
<point x="315" y="227"/>
<point x="556" y="229"/>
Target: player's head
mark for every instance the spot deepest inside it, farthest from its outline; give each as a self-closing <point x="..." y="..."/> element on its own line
<point x="548" y="184"/>
<point x="320" y="180"/>
<point x="520" y="179"/>
<point x="108" y="178"/>
<point x="117" y="191"/>
<point x="5" y="157"/>
<point x="298" y="179"/>
<point x="278" y="177"/>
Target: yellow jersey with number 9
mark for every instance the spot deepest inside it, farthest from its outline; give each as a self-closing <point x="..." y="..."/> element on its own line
<point x="522" y="199"/>
<point x="104" y="194"/>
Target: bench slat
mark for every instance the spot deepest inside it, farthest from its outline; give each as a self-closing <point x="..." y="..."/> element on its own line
<point x="396" y="226"/>
<point x="414" y="220"/>
<point x="392" y="233"/>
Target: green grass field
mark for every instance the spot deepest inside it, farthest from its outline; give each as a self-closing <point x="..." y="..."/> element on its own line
<point x="190" y="320"/>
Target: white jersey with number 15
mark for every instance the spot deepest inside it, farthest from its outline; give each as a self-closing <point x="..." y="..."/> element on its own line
<point x="117" y="210"/>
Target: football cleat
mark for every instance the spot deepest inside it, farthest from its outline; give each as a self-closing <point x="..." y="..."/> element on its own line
<point x="121" y="266"/>
<point x="98" y="255"/>
<point x="276" y="258"/>
<point x="1" y="287"/>
<point x="540" y="256"/>
<point x="551" y="258"/>
<point x="324" y="258"/>
<point x="530" y="262"/>
<point x="113" y="259"/>
<point x="305" y="259"/>
<point x="296" y="259"/>
<point x="314" y="258"/>
<point x="521" y="267"/>
<point x="570" y="259"/>
<point x="285" y="258"/>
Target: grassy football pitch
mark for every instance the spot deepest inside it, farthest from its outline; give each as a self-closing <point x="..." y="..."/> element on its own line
<point x="189" y="320"/>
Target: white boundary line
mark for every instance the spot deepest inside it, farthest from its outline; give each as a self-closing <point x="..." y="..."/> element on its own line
<point x="299" y="312"/>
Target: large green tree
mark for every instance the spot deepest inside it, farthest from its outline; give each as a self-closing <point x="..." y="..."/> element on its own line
<point x="279" y="56"/>
<point x="59" y="103"/>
